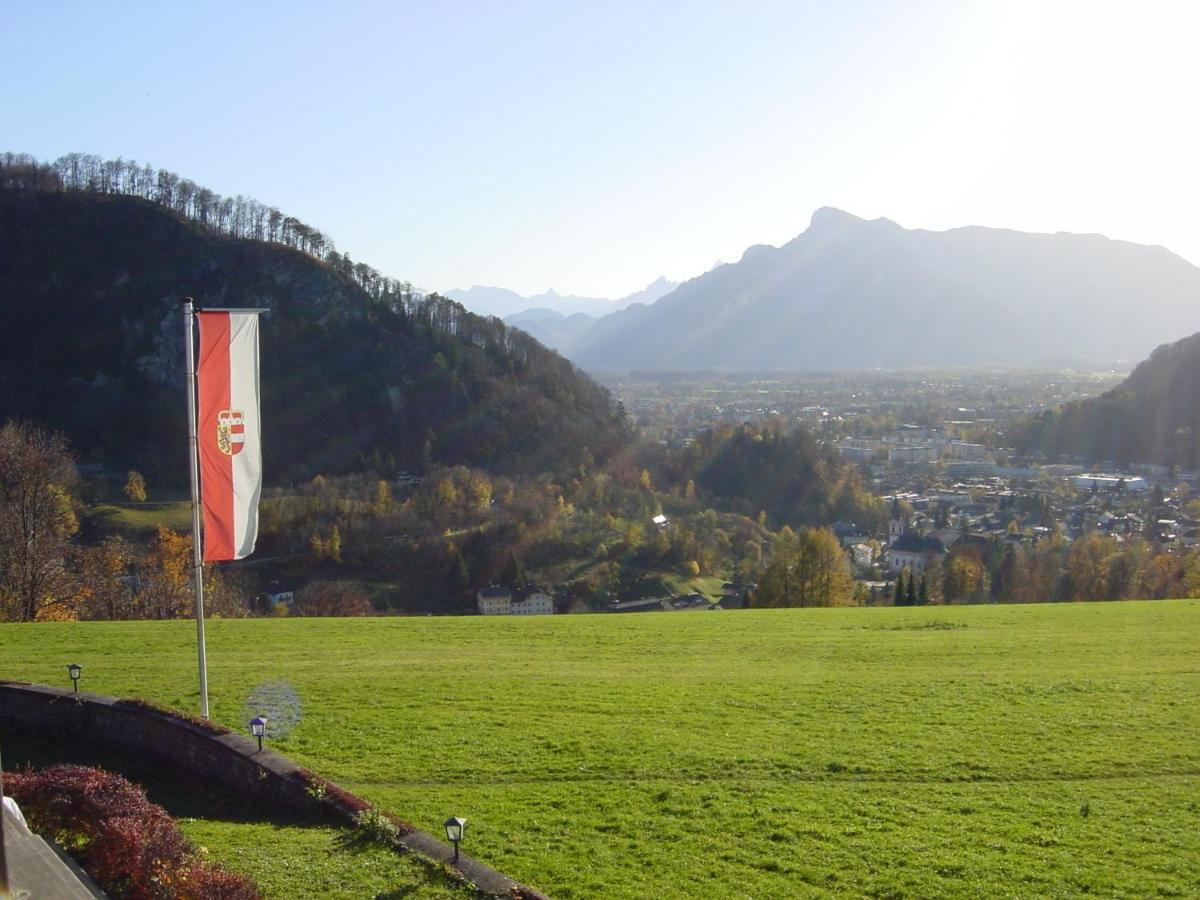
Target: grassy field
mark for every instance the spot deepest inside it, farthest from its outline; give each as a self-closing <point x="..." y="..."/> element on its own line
<point x="141" y="519"/>
<point x="964" y="751"/>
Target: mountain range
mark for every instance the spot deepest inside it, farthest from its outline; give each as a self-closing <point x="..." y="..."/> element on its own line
<point x="502" y="303"/>
<point x="849" y="293"/>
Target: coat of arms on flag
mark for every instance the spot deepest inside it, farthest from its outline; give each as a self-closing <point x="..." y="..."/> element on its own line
<point x="231" y="431"/>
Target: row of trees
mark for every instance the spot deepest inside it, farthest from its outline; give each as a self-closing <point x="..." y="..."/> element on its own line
<point x="1094" y="567"/>
<point x="240" y="217"/>
<point x="46" y="574"/>
<point x="806" y="569"/>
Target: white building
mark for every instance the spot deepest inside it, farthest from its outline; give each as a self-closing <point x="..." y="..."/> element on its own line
<point x="1104" y="482"/>
<point x="499" y="601"/>
<point x="536" y="603"/>
<point x="913" y="453"/>
<point x="967" y="452"/>
<point x="494" y="601"/>
<point x="914" y="552"/>
<point x="864" y="555"/>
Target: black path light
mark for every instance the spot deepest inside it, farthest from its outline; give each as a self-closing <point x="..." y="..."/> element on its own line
<point x="454" y="832"/>
<point x="258" y="728"/>
<point x="75" y="670"/>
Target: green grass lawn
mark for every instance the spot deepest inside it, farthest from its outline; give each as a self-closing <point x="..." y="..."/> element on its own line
<point x="708" y="585"/>
<point x="140" y="519"/>
<point x="966" y="751"/>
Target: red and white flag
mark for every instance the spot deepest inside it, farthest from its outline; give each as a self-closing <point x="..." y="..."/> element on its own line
<point x="228" y="433"/>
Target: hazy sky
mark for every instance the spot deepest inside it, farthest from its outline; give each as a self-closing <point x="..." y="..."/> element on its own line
<point x="591" y="147"/>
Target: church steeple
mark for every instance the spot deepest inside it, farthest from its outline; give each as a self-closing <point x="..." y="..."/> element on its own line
<point x="896" y="524"/>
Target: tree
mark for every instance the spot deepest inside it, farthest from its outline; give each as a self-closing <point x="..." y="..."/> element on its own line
<point x="334" y="546"/>
<point x="135" y="487"/>
<point x="37" y="520"/>
<point x="965" y="576"/>
<point x="1087" y="567"/>
<point x="332" y="598"/>
<point x="806" y="570"/>
<point x="166" y="577"/>
<point x="514" y="573"/>
<point x="383" y="498"/>
<point x="1012" y="583"/>
<point x="104" y="590"/>
<point x="775" y="588"/>
<point x="824" y="570"/>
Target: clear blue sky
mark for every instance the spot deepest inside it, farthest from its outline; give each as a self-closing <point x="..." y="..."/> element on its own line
<point x="592" y="147"/>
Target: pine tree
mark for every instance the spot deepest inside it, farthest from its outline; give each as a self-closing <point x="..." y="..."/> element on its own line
<point x="910" y="591"/>
<point x="923" y="597"/>
<point x="898" y="597"/>
<point x="334" y="546"/>
<point x="514" y="574"/>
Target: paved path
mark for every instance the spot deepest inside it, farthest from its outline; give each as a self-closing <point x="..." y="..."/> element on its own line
<point x="35" y="870"/>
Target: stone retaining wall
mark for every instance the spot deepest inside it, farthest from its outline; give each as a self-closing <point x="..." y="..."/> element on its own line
<point x="202" y="750"/>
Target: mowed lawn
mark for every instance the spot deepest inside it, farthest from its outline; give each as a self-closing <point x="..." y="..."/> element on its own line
<point x="944" y="751"/>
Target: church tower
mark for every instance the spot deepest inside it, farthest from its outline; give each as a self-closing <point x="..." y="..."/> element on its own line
<point x="896" y="523"/>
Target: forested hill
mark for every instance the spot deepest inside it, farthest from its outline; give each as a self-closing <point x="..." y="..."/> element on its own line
<point x="1153" y="416"/>
<point x="91" y="343"/>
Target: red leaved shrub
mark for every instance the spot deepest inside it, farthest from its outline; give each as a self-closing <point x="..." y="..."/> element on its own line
<point x="128" y="844"/>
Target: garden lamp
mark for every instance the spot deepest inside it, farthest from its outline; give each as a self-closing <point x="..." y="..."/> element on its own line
<point x="454" y="832"/>
<point x="258" y="728"/>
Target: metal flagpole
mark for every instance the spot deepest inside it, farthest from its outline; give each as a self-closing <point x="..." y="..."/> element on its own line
<point x="189" y="316"/>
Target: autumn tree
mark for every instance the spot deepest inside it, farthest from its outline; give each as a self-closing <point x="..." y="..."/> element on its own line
<point x="332" y="598"/>
<point x="1087" y="567"/>
<point x="106" y="591"/>
<point x="965" y="576"/>
<point x="810" y="569"/>
<point x="37" y="520"/>
<point x="166" y="576"/>
<point x="135" y="487"/>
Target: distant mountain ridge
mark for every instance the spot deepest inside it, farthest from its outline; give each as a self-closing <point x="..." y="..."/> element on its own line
<point x="552" y="328"/>
<point x="500" y="302"/>
<point x="849" y="293"/>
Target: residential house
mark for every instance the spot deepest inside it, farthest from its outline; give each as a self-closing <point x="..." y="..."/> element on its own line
<point x="494" y="601"/>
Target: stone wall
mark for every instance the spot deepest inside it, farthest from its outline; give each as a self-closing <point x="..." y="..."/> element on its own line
<point x="200" y="749"/>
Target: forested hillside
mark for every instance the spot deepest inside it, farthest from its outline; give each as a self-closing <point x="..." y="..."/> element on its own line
<point x="1151" y="417"/>
<point x="357" y="370"/>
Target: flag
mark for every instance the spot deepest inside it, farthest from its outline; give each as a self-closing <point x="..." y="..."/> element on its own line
<point x="228" y="433"/>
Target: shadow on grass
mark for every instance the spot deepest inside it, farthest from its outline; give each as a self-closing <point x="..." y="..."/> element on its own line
<point x="183" y="797"/>
<point x="191" y="798"/>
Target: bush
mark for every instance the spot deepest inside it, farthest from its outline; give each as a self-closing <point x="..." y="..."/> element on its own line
<point x="373" y="822"/>
<point x="128" y="844"/>
<point x="332" y="598"/>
